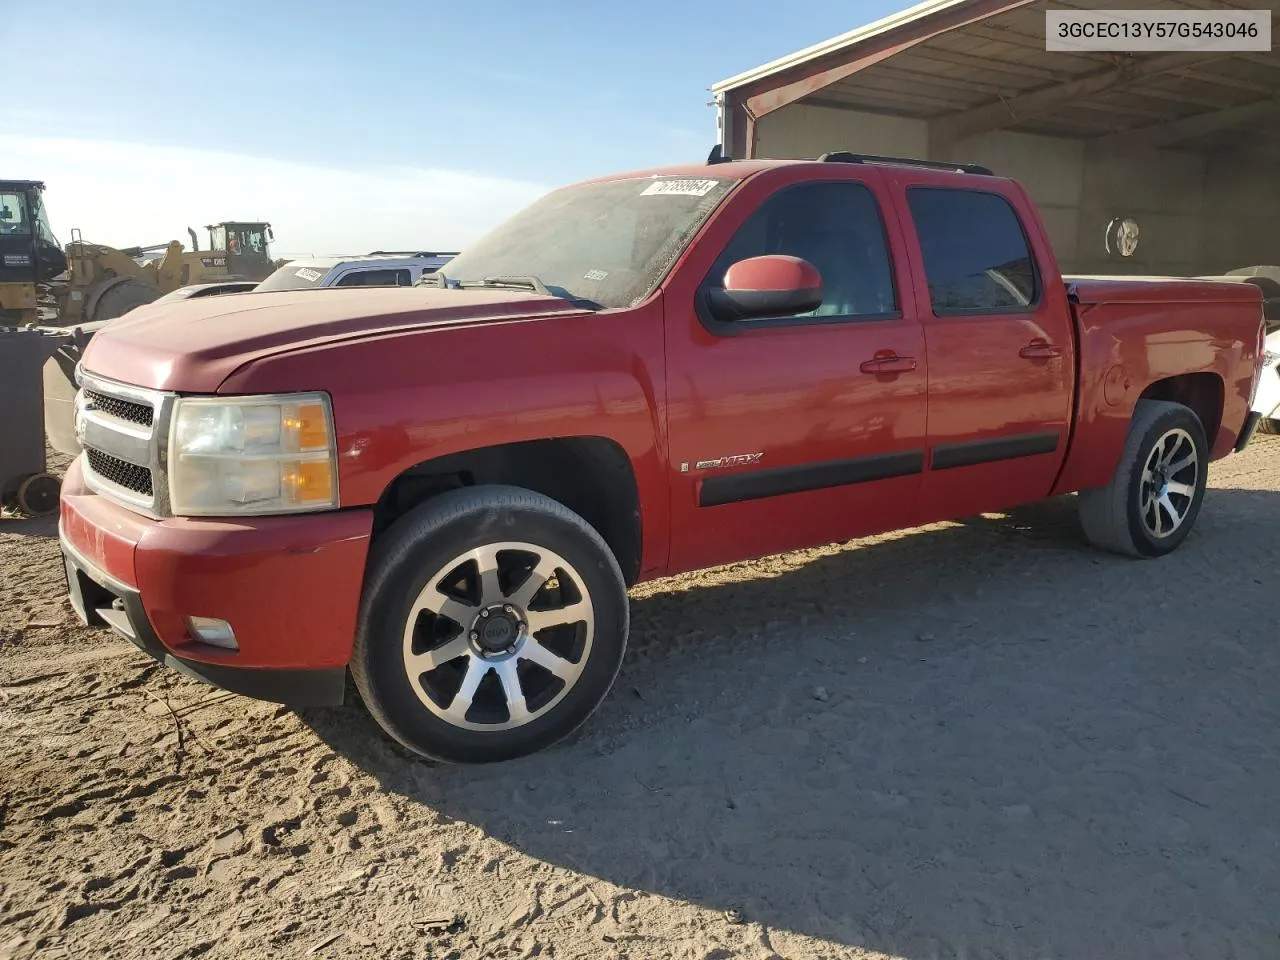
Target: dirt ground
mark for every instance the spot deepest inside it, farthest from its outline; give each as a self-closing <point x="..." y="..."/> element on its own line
<point x="972" y="740"/>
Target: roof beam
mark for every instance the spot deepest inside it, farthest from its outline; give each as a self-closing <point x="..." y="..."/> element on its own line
<point x="1174" y="131"/>
<point x="767" y="94"/>
<point x="1023" y="71"/>
<point x="1007" y="112"/>
<point x="1221" y="80"/>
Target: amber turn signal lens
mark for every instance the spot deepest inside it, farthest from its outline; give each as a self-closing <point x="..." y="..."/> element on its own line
<point x="313" y="429"/>
<point x="309" y="482"/>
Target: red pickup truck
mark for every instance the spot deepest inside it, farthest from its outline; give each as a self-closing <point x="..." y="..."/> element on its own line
<point x="446" y="490"/>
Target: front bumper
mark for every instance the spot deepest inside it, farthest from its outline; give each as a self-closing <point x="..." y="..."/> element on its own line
<point x="289" y="586"/>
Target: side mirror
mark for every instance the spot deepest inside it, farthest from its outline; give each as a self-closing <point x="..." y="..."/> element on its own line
<point x="768" y="286"/>
<point x="270" y="236"/>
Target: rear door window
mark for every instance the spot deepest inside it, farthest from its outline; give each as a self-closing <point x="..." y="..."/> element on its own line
<point x="375" y="278"/>
<point x="977" y="259"/>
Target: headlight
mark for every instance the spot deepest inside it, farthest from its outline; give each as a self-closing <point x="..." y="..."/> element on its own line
<point x="252" y="455"/>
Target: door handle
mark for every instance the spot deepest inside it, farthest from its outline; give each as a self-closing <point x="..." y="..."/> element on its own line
<point x="1039" y="349"/>
<point x="892" y="364"/>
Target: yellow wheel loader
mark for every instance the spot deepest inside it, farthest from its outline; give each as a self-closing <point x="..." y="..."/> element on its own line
<point x="104" y="282"/>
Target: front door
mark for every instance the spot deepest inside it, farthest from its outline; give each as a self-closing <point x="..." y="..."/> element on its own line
<point x="1001" y="349"/>
<point x="798" y="430"/>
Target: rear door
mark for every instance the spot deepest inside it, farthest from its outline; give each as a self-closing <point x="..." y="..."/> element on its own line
<point x="1000" y="342"/>
<point x="803" y="429"/>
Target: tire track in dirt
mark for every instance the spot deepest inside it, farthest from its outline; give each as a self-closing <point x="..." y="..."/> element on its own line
<point x="976" y="739"/>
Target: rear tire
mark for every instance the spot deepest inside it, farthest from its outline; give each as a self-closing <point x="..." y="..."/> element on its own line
<point x="1152" y="501"/>
<point x="493" y="623"/>
<point x="122" y="298"/>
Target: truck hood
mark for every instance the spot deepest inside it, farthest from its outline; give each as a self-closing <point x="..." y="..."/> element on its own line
<point x="194" y="345"/>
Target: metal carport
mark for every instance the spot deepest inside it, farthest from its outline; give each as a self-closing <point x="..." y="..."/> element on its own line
<point x="1185" y="144"/>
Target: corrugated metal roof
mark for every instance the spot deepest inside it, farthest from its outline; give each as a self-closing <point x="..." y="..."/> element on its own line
<point x="842" y="42"/>
<point x="984" y="71"/>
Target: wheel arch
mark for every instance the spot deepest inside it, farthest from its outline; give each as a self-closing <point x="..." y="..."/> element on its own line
<point x="591" y="475"/>
<point x="1204" y="393"/>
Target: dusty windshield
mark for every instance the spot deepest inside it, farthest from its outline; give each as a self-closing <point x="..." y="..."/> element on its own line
<point x="607" y="243"/>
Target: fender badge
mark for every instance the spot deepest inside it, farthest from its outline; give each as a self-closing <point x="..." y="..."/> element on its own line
<point x="737" y="460"/>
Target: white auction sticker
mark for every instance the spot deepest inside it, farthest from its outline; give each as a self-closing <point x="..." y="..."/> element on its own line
<point x="679" y="188"/>
<point x="1140" y="31"/>
<point x="311" y="276"/>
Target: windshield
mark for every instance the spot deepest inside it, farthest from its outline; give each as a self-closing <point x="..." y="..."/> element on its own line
<point x="294" y="276"/>
<point x="14" y="220"/>
<point x="609" y="243"/>
<point x="245" y="241"/>
<point x="43" y="230"/>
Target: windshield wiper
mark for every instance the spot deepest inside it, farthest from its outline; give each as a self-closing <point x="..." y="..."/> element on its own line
<point x="521" y="282"/>
<point x="529" y="282"/>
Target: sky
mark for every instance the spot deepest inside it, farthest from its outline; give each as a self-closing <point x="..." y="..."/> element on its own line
<point x="355" y="127"/>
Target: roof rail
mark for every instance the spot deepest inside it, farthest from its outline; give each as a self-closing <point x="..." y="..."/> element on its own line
<point x="844" y="156"/>
<point x="412" y="253"/>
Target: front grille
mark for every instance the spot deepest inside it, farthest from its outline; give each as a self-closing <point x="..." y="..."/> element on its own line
<point x="122" y="430"/>
<point x="120" y="472"/>
<point x="138" y="413"/>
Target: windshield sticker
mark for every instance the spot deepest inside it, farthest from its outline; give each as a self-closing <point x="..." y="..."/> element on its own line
<point x="679" y="188"/>
<point x="311" y="276"/>
<point x="595" y="275"/>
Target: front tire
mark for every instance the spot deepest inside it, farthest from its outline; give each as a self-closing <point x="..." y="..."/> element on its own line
<point x="1152" y="501"/>
<point x="493" y="623"/>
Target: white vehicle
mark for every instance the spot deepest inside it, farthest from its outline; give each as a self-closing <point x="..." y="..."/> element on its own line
<point x="1266" y="401"/>
<point x="378" y="269"/>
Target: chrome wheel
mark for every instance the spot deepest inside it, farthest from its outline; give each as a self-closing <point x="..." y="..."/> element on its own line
<point x="1170" y="478"/>
<point x="498" y="636"/>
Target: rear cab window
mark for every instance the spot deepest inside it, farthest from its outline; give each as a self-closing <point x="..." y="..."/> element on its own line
<point x="977" y="256"/>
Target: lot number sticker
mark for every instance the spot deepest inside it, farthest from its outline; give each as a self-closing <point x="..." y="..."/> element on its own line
<point x="679" y="188"/>
<point x="311" y="276"/>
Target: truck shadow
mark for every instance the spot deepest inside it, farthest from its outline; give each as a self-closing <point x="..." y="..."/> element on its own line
<point x="42" y="528"/>
<point x="980" y="739"/>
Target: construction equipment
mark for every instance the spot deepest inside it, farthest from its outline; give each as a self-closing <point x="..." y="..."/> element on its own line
<point x="78" y="289"/>
<point x="104" y="282"/>
<point x="89" y="282"/>
<point x="29" y="252"/>
<point x="245" y="247"/>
